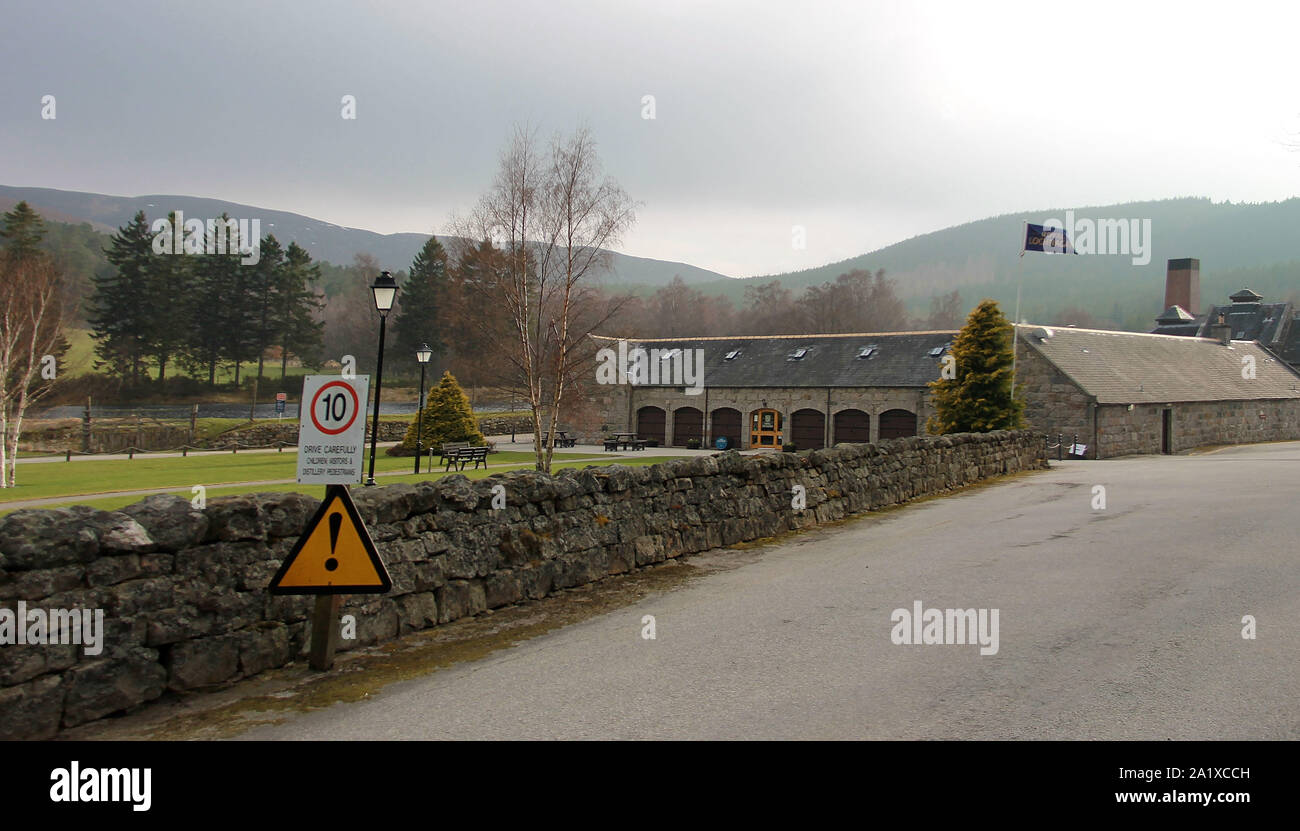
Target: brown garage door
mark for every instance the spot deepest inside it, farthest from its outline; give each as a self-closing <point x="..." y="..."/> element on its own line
<point x="808" y="429"/>
<point x="650" y="424"/>
<point x="688" y="423"/>
<point x="726" y="423"/>
<point x="852" y="426"/>
<point x="897" y="424"/>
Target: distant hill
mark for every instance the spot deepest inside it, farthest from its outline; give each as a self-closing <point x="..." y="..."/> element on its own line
<point x="1237" y="244"/>
<point x="325" y="241"/>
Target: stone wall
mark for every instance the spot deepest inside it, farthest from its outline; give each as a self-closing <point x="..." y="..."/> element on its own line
<point x="266" y="433"/>
<point x="1053" y="403"/>
<point x="184" y="595"/>
<point x="1195" y="424"/>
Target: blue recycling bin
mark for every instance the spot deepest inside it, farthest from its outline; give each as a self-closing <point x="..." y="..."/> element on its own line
<point x="720" y="442"/>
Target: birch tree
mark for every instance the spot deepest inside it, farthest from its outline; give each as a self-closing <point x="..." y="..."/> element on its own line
<point x="31" y="313"/>
<point x="553" y="213"/>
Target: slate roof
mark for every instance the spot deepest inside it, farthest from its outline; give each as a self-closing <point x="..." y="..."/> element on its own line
<point x="1176" y="314"/>
<point x="1176" y="320"/>
<point x="1133" y="368"/>
<point x="901" y="359"/>
<point x="1275" y="325"/>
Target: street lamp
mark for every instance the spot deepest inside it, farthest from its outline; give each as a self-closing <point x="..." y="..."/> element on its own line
<point x="385" y="291"/>
<point x="423" y="354"/>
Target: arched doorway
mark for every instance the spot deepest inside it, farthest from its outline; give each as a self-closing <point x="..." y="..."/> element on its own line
<point x="808" y="429"/>
<point x="650" y="423"/>
<point x="897" y="424"/>
<point x="688" y="423"/>
<point x="765" y="428"/>
<point x="726" y="424"/>
<point x="852" y="426"/>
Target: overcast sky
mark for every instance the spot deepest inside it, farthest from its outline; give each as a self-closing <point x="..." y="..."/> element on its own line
<point x="863" y="122"/>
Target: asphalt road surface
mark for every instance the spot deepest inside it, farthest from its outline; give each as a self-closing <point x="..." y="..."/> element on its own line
<point x="1115" y="623"/>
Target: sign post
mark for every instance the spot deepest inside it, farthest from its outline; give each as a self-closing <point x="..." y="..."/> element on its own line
<point x="335" y="556"/>
<point x="280" y="398"/>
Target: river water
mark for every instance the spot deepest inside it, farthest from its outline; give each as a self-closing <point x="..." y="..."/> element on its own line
<point x="182" y="411"/>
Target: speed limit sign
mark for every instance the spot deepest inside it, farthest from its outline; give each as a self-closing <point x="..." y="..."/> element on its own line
<point x="332" y="430"/>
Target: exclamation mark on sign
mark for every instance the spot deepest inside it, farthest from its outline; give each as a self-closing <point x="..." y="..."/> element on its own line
<point x="336" y="522"/>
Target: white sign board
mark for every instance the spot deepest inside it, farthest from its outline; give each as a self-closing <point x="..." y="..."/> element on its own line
<point x="332" y="429"/>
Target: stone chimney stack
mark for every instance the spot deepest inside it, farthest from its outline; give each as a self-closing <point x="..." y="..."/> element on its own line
<point x="1183" y="284"/>
<point x="1222" y="331"/>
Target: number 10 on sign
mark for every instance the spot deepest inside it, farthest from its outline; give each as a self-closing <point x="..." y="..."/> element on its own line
<point x="332" y="429"/>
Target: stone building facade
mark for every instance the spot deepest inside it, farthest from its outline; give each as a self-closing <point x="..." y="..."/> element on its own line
<point x="821" y="390"/>
<point x="1123" y="393"/>
<point x="1118" y="393"/>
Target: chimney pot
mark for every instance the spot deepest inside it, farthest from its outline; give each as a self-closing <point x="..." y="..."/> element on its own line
<point x="1221" y="331"/>
<point x="1183" y="284"/>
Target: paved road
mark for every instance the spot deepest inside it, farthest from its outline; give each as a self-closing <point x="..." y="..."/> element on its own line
<point x="1123" y="623"/>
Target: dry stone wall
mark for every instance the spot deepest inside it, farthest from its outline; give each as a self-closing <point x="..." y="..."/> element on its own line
<point x="184" y="597"/>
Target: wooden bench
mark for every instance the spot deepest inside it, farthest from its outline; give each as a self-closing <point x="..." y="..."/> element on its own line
<point x="611" y="444"/>
<point x="562" y="439"/>
<point x="464" y="455"/>
<point x="449" y="449"/>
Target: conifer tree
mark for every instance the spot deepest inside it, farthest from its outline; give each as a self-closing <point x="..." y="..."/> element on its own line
<point x="423" y="295"/>
<point x="447" y="417"/>
<point x="120" y="307"/>
<point x="978" y="399"/>
<point x="297" y="304"/>
<point x="21" y="232"/>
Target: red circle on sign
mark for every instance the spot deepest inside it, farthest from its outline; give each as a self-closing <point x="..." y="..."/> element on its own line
<point x="356" y="407"/>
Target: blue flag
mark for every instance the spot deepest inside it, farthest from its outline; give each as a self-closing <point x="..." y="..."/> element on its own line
<point x="1049" y="239"/>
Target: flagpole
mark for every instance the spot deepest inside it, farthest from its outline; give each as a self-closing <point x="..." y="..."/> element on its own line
<point x="1015" y="322"/>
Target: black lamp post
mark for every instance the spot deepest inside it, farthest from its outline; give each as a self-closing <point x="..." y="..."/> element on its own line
<point x="423" y="354"/>
<point x="385" y="291"/>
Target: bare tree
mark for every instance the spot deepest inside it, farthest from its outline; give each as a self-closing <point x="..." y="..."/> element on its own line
<point x="31" y="320"/>
<point x="553" y="214"/>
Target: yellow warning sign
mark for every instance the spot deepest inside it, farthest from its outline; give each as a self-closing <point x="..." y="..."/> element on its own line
<point x="335" y="555"/>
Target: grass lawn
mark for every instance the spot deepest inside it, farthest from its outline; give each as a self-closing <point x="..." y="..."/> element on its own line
<point x="106" y="475"/>
<point x="80" y="357"/>
<point x="185" y="477"/>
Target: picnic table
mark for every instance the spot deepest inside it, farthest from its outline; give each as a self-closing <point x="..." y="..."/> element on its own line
<point x="562" y="438"/>
<point x="625" y="441"/>
<point x="462" y="456"/>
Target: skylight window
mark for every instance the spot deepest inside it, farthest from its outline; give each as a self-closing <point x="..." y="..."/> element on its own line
<point x="937" y="351"/>
<point x="670" y="354"/>
<point x="732" y="355"/>
<point x="798" y="354"/>
<point x="868" y="351"/>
